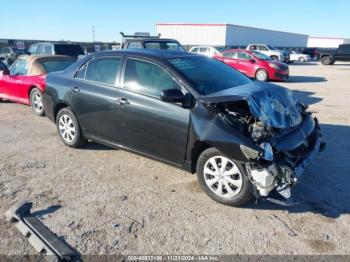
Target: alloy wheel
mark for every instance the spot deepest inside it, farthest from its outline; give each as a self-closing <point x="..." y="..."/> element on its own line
<point x="67" y="128"/>
<point x="261" y="75"/>
<point x="222" y="177"/>
<point x="37" y="102"/>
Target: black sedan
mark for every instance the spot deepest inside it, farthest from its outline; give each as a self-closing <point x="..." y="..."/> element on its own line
<point x="241" y="137"/>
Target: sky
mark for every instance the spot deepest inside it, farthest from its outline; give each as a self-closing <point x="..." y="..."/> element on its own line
<point x="73" y="19"/>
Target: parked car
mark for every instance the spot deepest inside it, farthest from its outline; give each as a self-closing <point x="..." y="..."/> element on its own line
<point x="205" y="50"/>
<point x="10" y="54"/>
<point x="314" y="53"/>
<point x="3" y="66"/>
<point x="255" y="64"/>
<point x="68" y="49"/>
<point x="341" y="54"/>
<point x="273" y="53"/>
<point x="296" y="56"/>
<point x="24" y="82"/>
<point x="243" y="138"/>
<point x="145" y="41"/>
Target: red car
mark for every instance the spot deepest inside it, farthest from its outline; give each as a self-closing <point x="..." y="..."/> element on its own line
<point x="255" y="64"/>
<point x="24" y="81"/>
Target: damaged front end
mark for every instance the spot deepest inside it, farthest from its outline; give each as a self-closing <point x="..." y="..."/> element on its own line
<point x="286" y="137"/>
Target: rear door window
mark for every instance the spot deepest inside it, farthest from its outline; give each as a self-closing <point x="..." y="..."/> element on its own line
<point x="103" y="70"/>
<point x="244" y="56"/>
<point x="134" y="45"/>
<point x="203" y="50"/>
<point x="48" y="50"/>
<point x="230" y="55"/>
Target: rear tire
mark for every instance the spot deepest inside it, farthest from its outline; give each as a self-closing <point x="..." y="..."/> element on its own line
<point x="327" y="60"/>
<point x="69" y="129"/>
<point x="261" y="75"/>
<point x="223" y="179"/>
<point x="36" y="103"/>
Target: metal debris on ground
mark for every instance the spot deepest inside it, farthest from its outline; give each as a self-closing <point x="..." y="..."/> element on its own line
<point x="39" y="236"/>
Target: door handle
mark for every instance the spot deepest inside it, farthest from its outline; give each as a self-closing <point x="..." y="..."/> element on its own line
<point x="123" y="101"/>
<point x="76" y="89"/>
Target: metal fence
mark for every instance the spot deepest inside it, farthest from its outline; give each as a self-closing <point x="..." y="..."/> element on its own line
<point x="89" y="47"/>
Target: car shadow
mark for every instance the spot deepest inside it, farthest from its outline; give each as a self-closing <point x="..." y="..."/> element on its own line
<point x="95" y="146"/>
<point x="306" y="79"/>
<point x="324" y="187"/>
<point x="306" y="97"/>
<point x="47" y="211"/>
<point x="304" y="64"/>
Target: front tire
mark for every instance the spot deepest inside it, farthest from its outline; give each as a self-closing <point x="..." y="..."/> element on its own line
<point x="36" y="103"/>
<point x="69" y="129"/>
<point x="223" y="179"/>
<point x="261" y="75"/>
<point x="302" y="59"/>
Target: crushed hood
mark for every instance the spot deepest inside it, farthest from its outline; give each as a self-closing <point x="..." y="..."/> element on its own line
<point x="273" y="105"/>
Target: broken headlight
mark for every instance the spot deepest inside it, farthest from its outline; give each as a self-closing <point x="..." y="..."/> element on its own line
<point x="249" y="152"/>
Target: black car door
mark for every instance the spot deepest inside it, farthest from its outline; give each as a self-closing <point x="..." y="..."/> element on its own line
<point x="93" y="96"/>
<point x="145" y="123"/>
<point x="343" y="53"/>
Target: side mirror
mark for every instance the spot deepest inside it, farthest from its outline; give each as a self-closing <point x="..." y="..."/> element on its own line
<point x="172" y="96"/>
<point x="252" y="61"/>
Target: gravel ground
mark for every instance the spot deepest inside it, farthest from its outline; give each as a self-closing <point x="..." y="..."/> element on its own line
<point x="105" y="201"/>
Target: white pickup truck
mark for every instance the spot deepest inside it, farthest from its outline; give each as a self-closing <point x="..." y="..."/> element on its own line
<point x="269" y="51"/>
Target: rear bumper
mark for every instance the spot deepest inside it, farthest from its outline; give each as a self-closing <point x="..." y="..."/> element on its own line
<point x="49" y="107"/>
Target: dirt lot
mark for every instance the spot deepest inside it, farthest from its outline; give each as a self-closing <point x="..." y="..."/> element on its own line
<point x="104" y="201"/>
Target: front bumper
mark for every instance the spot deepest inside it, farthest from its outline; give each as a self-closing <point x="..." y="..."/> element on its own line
<point x="297" y="150"/>
<point x="281" y="75"/>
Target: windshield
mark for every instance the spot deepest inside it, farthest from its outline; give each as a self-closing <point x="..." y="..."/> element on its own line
<point x="261" y="55"/>
<point x="166" y="45"/>
<point x="56" y="65"/>
<point x="208" y="75"/>
<point x="70" y="50"/>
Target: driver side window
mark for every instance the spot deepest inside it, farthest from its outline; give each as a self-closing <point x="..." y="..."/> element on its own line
<point x="147" y="78"/>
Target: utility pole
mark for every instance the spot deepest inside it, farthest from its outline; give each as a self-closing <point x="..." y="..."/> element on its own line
<point x="93" y="34"/>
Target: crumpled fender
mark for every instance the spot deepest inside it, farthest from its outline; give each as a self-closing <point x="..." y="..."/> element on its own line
<point x="210" y="128"/>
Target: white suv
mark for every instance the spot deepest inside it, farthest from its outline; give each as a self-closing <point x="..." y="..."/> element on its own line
<point x="269" y="51"/>
<point x="205" y="50"/>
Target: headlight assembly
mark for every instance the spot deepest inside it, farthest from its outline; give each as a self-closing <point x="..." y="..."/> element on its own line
<point x="249" y="153"/>
<point x="274" y="66"/>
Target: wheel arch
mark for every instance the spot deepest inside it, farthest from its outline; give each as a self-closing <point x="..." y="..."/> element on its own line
<point x="60" y="105"/>
<point x="197" y="149"/>
<point x="31" y="88"/>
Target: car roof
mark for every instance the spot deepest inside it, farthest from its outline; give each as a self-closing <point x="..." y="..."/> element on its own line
<point x="139" y="39"/>
<point x="33" y="58"/>
<point x="235" y="50"/>
<point x="149" y="53"/>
